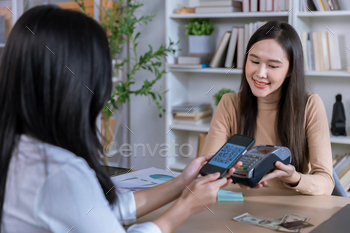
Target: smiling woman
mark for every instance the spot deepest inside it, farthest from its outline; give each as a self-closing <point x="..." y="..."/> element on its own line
<point x="274" y="108"/>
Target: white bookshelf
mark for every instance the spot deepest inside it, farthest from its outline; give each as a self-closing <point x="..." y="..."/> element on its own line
<point x="192" y="84"/>
<point x="323" y="14"/>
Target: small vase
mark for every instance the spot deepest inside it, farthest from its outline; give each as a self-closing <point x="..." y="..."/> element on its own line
<point x="200" y="45"/>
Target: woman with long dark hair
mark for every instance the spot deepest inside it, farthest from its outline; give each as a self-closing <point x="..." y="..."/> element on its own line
<point x="55" y="77"/>
<point x="273" y="107"/>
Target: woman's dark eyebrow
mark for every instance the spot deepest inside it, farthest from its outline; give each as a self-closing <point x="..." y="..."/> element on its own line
<point x="271" y="60"/>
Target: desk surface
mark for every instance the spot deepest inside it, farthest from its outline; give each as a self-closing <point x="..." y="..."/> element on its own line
<point x="264" y="202"/>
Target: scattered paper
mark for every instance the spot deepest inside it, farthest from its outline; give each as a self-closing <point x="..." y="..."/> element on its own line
<point x="142" y="179"/>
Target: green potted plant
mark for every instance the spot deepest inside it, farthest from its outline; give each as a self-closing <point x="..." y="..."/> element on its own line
<point x="218" y="95"/>
<point x="199" y="40"/>
<point x="118" y="19"/>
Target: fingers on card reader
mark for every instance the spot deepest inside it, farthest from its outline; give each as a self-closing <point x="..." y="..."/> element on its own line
<point x="259" y="161"/>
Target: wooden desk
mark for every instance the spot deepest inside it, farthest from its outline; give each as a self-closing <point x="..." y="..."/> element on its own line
<point x="264" y="202"/>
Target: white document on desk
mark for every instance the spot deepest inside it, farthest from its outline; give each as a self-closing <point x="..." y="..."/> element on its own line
<point x="142" y="179"/>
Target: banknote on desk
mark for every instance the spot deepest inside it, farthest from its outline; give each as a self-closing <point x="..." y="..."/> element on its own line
<point x="271" y="224"/>
<point x="262" y="222"/>
<point x="291" y="218"/>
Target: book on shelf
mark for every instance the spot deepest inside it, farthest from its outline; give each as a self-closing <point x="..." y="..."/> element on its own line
<point x="235" y="3"/>
<point x="217" y="9"/>
<point x="218" y="59"/>
<point x="191" y="60"/>
<point x="190" y="107"/>
<point x="231" y="48"/>
<point x="320" y="5"/>
<point x="253" y="6"/>
<point x="187" y="66"/>
<point x="201" y="142"/>
<point x="197" y="113"/>
<point x="192" y="122"/>
<point x="240" y="47"/>
<point x="321" y="51"/>
<point x="193" y="115"/>
<point x="8" y="19"/>
<point x="2" y="30"/>
<point x="245" y="5"/>
<point x="341" y="166"/>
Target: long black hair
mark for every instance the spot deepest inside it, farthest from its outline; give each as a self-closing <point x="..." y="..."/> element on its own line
<point x="55" y="77"/>
<point x="289" y="123"/>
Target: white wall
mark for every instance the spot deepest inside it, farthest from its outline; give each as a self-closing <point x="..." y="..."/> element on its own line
<point x="144" y="121"/>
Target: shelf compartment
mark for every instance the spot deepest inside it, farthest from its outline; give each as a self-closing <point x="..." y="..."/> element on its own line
<point x="327" y="73"/>
<point x="230" y="15"/>
<point x="340" y="139"/>
<point x="323" y="14"/>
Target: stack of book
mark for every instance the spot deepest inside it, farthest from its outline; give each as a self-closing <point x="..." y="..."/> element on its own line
<point x="192" y="113"/>
<point x="319" y="5"/>
<point x="321" y="51"/>
<point x="231" y="50"/>
<point x="219" y="6"/>
<point x="342" y="168"/>
<point x="191" y="62"/>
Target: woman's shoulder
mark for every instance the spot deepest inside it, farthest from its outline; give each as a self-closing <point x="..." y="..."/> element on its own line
<point x="231" y="98"/>
<point x="34" y="153"/>
<point x="313" y="101"/>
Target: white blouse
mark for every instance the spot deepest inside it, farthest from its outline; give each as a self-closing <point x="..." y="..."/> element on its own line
<point x="49" y="189"/>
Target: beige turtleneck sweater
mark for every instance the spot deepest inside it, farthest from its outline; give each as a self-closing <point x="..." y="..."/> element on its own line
<point x="317" y="178"/>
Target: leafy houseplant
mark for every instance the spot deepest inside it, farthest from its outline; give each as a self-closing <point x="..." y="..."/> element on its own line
<point x="217" y="96"/>
<point x="199" y="27"/>
<point x="199" y="31"/>
<point x="118" y="19"/>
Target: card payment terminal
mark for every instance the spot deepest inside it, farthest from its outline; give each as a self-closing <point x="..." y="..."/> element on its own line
<point x="259" y="161"/>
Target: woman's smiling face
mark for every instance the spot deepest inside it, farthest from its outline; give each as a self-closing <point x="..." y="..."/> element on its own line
<point x="266" y="69"/>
